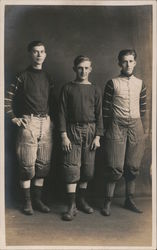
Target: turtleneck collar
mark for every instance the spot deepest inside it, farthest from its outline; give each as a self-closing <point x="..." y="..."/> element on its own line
<point x="30" y="68"/>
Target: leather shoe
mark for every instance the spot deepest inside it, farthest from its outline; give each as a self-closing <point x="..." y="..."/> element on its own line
<point x="130" y="204"/>
<point x="27" y="209"/>
<point x="83" y="206"/>
<point x="40" y="206"/>
<point x="69" y="215"/>
<point x="106" y="210"/>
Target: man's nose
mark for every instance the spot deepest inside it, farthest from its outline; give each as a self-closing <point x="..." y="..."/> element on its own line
<point x="83" y="70"/>
<point x="129" y="64"/>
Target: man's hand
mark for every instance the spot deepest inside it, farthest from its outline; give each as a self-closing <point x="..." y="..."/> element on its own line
<point x="20" y="122"/>
<point x="95" y="143"/>
<point x="66" y="143"/>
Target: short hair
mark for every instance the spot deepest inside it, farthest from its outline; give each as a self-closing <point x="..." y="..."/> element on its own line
<point x="33" y="44"/>
<point x="80" y="59"/>
<point x="126" y="52"/>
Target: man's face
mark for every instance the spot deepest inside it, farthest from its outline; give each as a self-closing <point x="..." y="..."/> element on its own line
<point x="38" y="54"/>
<point x="127" y="64"/>
<point x="83" y="70"/>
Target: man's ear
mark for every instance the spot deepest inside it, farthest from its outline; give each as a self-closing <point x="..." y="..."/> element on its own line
<point x="74" y="69"/>
<point x="91" y="68"/>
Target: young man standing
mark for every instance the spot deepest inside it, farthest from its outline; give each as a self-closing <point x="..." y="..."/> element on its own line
<point x="32" y="89"/>
<point x="124" y="105"/>
<point x="81" y="127"/>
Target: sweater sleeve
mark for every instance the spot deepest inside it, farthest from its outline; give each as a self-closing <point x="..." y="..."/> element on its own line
<point x="107" y="103"/>
<point x="63" y="109"/>
<point x="10" y="95"/>
<point x="98" y="112"/>
<point x="143" y="100"/>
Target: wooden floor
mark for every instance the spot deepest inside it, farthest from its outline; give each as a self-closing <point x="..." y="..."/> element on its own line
<point x="122" y="228"/>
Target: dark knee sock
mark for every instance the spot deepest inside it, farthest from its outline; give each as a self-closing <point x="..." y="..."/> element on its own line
<point x="129" y="188"/>
<point x="37" y="192"/>
<point x="82" y="192"/>
<point x="71" y="198"/>
<point x="109" y="190"/>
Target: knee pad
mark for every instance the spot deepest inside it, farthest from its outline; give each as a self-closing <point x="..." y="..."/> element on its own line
<point x="116" y="177"/>
<point x="71" y="173"/>
<point x="130" y="176"/>
<point x="27" y="172"/>
<point x="87" y="172"/>
<point x="86" y="177"/>
<point x="114" y="174"/>
<point x="41" y="169"/>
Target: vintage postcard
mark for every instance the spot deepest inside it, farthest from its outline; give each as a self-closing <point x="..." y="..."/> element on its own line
<point x="78" y="124"/>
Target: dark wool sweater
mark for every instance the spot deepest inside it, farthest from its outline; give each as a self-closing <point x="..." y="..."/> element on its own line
<point x="81" y="103"/>
<point x="31" y="92"/>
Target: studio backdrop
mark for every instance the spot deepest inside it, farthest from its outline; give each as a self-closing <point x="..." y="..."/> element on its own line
<point x="99" y="32"/>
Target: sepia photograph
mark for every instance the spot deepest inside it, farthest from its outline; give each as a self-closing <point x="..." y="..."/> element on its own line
<point x="78" y="125"/>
